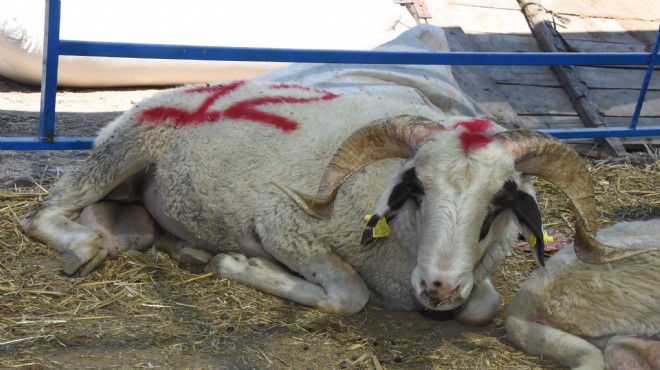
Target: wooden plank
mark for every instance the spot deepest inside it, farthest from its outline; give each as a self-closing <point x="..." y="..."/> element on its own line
<point x="595" y="45"/>
<point x="622" y="78"/>
<point x="625" y="121"/>
<point x="477" y="16"/>
<point x="497" y="4"/>
<point x="526" y="43"/>
<point x="615" y="9"/>
<point x="539" y="100"/>
<point x="586" y="146"/>
<point x="642" y="31"/>
<point x="477" y="83"/>
<point x="593" y="77"/>
<point x="576" y="91"/>
<point x="563" y="122"/>
<point x="497" y="42"/>
<point x="621" y="102"/>
<point x="555" y="122"/>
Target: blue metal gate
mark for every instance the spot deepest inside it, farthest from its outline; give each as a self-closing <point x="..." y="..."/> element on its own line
<point x="54" y="47"/>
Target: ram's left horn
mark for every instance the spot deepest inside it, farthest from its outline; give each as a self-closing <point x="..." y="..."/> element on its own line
<point x="397" y="137"/>
<point x="542" y="155"/>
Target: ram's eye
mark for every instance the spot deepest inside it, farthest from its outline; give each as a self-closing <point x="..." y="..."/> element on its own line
<point x="499" y="203"/>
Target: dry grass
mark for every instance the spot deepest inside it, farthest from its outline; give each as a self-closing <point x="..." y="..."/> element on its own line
<point x="142" y="311"/>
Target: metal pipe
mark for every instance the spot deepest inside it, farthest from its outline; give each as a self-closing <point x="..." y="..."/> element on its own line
<point x="645" y="83"/>
<point x="157" y="51"/>
<point x="46" y="128"/>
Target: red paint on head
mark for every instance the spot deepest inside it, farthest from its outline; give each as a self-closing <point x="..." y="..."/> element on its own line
<point x="475" y="125"/>
<point x="475" y="134"/>
<point x="473" y="141"/>
<point x="244" y="109"/>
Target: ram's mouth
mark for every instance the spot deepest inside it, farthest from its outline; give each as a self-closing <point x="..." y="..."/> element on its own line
<point x="436" y="304"/>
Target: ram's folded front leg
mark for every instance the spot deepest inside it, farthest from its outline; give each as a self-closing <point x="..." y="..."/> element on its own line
<point x="81" y="248"/>
<point x="125" y="227"/>
<point x="539" y="339"/>
<point x="332" y="284"/>
<point x="482" y="305"/>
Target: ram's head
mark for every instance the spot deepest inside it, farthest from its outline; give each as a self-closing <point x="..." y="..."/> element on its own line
<point x="467" y="185"/>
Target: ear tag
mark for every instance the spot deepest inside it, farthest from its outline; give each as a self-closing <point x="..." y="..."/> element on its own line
<point x="381" y="230"/>
<point x="546" y="239"/>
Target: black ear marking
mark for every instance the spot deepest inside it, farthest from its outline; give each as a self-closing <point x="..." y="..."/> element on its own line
<point x="527" y="210"/>
<point x="524" y="207"/>
<point x="409" y="187"/>
<point x="499" y="203"/>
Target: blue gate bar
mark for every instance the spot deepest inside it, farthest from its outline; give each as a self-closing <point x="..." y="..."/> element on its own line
<point x="645" y="83"/>
<point x="156" y="51"/>
<point x="57" y="143"/>
<point x="46" y="128"/>
<point x="85" y="143"/>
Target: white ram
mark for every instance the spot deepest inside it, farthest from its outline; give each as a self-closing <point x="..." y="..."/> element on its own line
<point x="209" y="156"/>
<point x="572" y="311"/>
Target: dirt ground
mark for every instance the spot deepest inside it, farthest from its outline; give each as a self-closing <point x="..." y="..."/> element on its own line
<point x="142" y="311"/>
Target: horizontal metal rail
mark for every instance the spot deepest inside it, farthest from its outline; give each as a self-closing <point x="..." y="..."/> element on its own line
<point x="156" y="51"/>
<point x="53" y="47"/>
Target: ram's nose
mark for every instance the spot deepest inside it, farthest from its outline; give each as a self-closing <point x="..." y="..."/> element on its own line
<point x="440" y="295"/>
<point x="437" y="289"/>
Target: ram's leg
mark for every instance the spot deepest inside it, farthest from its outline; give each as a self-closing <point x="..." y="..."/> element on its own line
<point x="333" y="285"/>
<point x="81" y="247"/>
<point x="123" y="226"/>
<point x="188" y="257"/>
<point x="632" y="353"/>
<point x="542" y="340"/>
<point x="482" y="306"/>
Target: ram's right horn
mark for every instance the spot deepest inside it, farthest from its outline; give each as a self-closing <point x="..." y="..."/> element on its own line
<point x="396" y="137"/>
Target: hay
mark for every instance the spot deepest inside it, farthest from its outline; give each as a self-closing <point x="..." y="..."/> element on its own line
<point x="142" y="311"/>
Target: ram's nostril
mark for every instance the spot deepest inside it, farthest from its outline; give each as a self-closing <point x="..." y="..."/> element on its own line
<point x="437" y="284"/>
<point x="422" y="283"/>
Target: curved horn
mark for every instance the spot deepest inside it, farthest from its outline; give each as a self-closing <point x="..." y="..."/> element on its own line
<point x="397" y="137"/>
<point x="542" y="155"/>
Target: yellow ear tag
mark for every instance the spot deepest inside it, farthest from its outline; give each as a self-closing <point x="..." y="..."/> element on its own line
<point x="546" y="239"/>
<point x="381" y="230"/>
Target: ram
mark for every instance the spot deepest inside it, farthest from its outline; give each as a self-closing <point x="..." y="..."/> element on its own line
<point x="594" y="316"/>
<point x="225" y="168"/>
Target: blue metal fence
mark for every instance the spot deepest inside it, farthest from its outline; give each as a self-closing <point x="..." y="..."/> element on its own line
<point x="53" y="47"/>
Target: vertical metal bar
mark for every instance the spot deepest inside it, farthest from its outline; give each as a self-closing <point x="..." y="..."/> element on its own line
<point x="46" y="129"/>
<point x="645" y="83"/>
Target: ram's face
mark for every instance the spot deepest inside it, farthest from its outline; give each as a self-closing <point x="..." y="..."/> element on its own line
<point x="455" y="225"/>
<point x="466" y="201"/>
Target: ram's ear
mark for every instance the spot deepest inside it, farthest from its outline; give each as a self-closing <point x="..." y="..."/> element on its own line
<point x="527" y="211"/>
<point x="407" y="186"/>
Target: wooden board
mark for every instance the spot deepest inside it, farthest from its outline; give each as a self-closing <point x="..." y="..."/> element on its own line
<point x="533" y="92"/>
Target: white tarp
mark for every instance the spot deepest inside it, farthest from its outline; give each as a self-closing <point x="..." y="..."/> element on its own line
<point x="305" y="24"/>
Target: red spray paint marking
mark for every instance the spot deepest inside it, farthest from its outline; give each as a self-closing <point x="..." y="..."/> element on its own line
<point x="474" y="135"/>
<point x="244" y="109"/>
